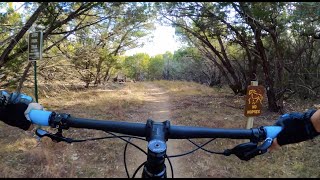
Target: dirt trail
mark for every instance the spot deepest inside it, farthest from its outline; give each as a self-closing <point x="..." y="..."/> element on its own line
<point x="157" y="104"/>
<point x="157" y="108"/>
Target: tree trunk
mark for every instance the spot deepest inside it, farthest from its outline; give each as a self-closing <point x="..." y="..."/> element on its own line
<point x="97" y="78"/>
<point x="23" y="78"/>
<point x="280" y="76"/>
<point x="235" y="84"/>
<point x="105" y="78"/>
<point x="256" y="28"/>
<point x="272" y="101"/>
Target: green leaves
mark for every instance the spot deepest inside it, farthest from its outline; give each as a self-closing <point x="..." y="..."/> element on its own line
<point x="92" y="34"/>
<point x="136" y="66"/>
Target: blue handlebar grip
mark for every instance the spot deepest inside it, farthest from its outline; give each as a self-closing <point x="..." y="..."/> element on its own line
<point x="273" y="131"/>
<point x="40" y="117"/>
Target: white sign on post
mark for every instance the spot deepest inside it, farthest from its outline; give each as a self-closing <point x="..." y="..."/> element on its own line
<point x="35" y="46"/>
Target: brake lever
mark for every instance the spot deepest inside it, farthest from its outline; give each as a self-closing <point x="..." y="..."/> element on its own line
<point x="249" y="150"/>
<point x="57" y="137"/>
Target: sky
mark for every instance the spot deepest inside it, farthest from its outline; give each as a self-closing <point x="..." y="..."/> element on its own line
<point x="164" y="39"/>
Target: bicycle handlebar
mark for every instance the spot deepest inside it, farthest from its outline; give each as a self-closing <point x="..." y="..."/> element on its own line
<point x="156" y="133"/>
<point x="43" y="118"/>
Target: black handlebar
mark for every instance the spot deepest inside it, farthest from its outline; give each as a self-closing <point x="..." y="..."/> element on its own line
<point x="157" y="133"/>
<point x="142" y="130"/>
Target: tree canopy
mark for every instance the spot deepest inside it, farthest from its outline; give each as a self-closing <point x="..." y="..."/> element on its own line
<point x="228" y="43"/>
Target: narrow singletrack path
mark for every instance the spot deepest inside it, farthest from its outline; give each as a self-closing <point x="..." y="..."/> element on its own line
<point x="157" y="108"/>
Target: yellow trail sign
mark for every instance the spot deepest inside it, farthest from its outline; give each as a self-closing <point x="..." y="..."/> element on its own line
<point x="254" y="99"/>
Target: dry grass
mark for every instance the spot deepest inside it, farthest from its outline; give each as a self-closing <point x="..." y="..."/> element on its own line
<point x="185" y="88"/>
<point x="198" y="105"/>
<point x="191" y="104"/>
<point x="23" y="156"/>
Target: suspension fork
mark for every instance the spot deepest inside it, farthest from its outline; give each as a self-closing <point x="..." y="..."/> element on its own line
<point x="157" y="135"/>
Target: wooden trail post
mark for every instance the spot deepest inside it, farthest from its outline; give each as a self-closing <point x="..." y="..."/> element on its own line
<point x="254" y="99"/>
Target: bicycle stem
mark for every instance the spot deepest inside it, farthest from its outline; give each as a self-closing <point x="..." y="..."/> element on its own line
<point x="157" y="135"/>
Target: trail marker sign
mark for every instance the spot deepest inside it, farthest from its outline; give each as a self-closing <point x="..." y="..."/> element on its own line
<point x="254" y="99"/>
<point x="35" y="46"/>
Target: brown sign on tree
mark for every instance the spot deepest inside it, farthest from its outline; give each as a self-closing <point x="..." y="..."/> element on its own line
<point x="254" y="99"/>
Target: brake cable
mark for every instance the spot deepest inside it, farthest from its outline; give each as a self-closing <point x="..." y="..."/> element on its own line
<point x="243" y="151"/>
<point x="201" y="147"/>
<point x="134" y="174"/>
<point x="57" y="137"/>
<point x="125" y="163"/>
<point x="124" y="158"/>
<point x="171" y="167"/>
<point x="129" y="141"/>
<point x="198" y="147"/>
